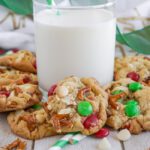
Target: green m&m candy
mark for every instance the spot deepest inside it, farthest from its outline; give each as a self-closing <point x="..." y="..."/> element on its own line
<point x="135" y="86"/>
<point x="132" y="110"/>
<point x="117" y="92"/>
<point x="132" y="102"/>
<point x="36" y="106"/>
<point x="85" y="108"/>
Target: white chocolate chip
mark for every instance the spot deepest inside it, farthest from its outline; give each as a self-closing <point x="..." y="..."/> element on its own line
<point x="124" y="135"/>
<point x="65" y="111"/>
<point x="104" y="144"/>
<point x="49" y="107"/>
<point x="62" y="91"/>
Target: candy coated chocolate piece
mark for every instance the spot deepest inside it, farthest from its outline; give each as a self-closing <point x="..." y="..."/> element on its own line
<point x="52" y="89"/>
<point x="15" y="50"/>
<point x="132" y="102"/>
<point x="134" y="76"/>
<point x="102" y="133"/>
<point x="34" y="64"/>
<point x="6" y="93"/>
<point x="132" y="110"/>
<point x="26" y="80"/>
<point x="135" y="86"/>
<point x="36" y="106"/>
<point x="91" y="121"/>
<point x="85" y="108"/>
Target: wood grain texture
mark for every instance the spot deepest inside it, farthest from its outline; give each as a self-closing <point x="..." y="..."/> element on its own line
<point x="89" y="143"/>
<point x="6" y="136"/>
<point x="138" y="142"/>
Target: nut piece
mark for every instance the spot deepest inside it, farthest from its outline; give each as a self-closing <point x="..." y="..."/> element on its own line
<point x="62" y="91"/>
<point x="104" y="144"/>
<point x="124" y="135"/>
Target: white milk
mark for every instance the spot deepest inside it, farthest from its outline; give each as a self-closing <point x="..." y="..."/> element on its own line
<point x="79" y="42"/>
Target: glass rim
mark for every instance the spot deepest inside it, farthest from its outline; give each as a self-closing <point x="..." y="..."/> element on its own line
<point x="104" y="5"/>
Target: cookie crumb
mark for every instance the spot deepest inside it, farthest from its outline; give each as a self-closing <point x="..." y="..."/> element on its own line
<point x="17" y="144"/>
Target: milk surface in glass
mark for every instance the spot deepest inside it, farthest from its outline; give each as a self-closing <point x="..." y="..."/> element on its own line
<point x="74" y="42"/>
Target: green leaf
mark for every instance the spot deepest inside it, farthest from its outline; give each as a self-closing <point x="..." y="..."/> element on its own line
<point x="138" y="40"/>
<point x="23" y="7"/>
<point x="2" y="3"/>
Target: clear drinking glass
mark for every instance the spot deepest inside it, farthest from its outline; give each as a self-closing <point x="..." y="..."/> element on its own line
<point x="74" y="40"/>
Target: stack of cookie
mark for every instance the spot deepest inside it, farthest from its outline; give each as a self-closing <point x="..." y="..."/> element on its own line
<point x="75" y="104"/>
<point x="18" y="83"/>
<point x="129" y="95"/>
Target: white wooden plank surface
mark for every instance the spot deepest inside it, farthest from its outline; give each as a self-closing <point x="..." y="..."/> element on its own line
<point x="90" y="143"/>
<point x="6" y="136"/>
<point x="138" y="142"/>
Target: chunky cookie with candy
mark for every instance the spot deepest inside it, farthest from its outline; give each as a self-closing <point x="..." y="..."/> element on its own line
<point x="129" y="105"/>
<point x="76" y="104"/>
<point x="136" y="68"/>
<point x="14" y="97"/>
<point x="12" y="76"/>
<point x="22" y="60"/>
<point x="30" y="123"/>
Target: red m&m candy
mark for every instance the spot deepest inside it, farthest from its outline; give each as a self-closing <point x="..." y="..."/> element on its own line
<point x="6" y="93"/>
<point x="26" y="80"/>
<point x="102" y="133"/>
<point x="34" y="64"/>
<point x="91" y="121"/>
<point x="52" y="89"/>
<point x="2" y="51"/>
<point x="15" y="50"/>
<point x="134" y="76"/>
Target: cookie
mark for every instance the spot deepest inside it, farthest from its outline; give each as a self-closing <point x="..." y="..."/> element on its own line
<point x="76" y="104"/>
<point x="12" y="76"/>
<point x="128" y="106"/>
<point x="14" y="97"/>
<point x="136" y="68"/>
<point x="30" y="124"/>
<point x="22" y="60"/>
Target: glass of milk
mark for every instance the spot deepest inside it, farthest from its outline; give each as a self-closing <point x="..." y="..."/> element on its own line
<point x="74" y="40"/>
